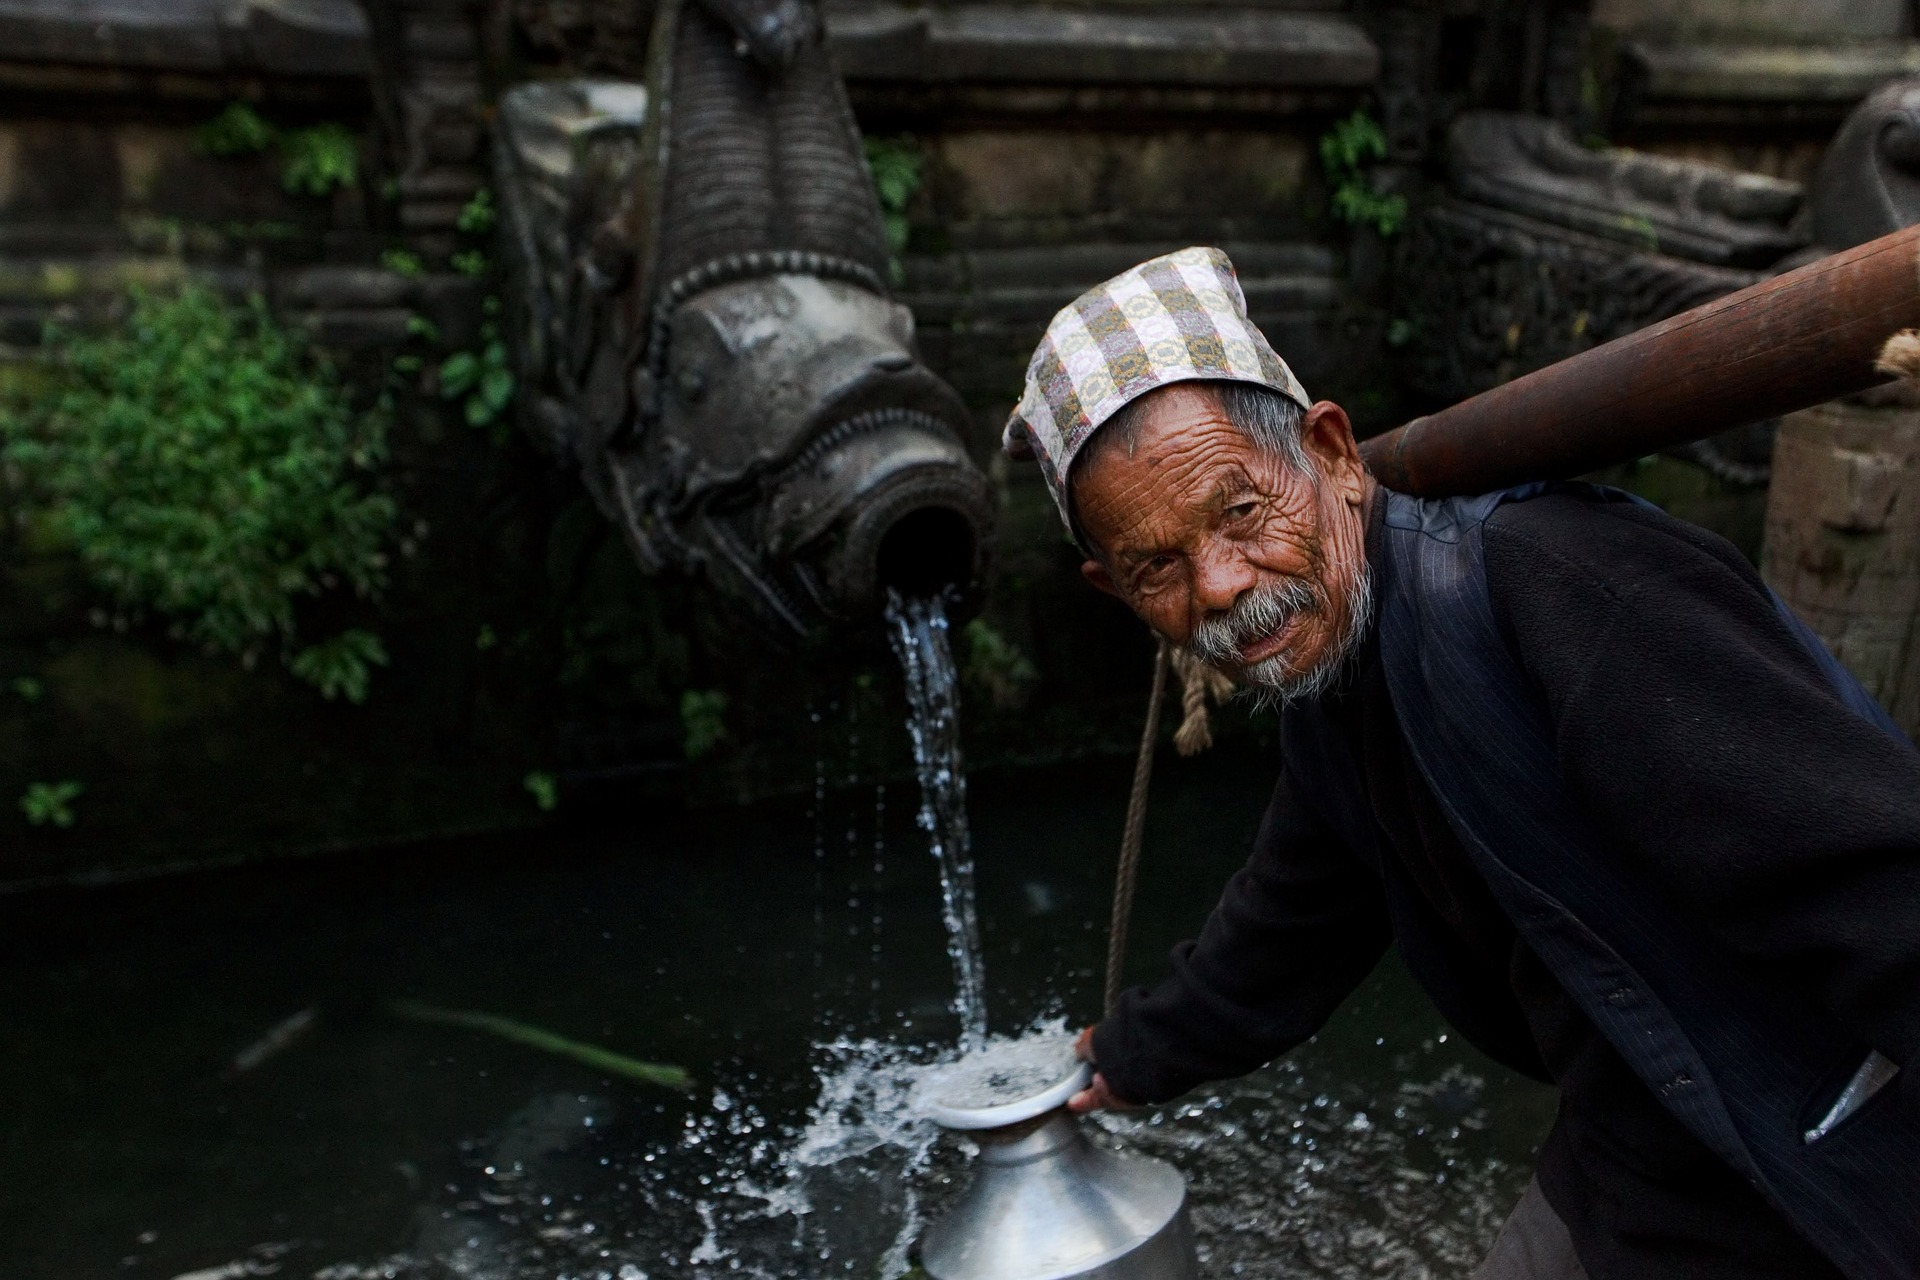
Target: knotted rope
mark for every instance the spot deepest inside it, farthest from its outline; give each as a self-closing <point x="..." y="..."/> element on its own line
<point x="1900" y="356"/>
<point x="1198" y="683"/>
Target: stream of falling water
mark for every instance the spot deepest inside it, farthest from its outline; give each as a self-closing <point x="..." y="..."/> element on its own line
<point x="919" y="634"/>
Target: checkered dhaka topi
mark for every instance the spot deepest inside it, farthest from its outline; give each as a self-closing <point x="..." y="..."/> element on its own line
<point x="1175" y="318"/>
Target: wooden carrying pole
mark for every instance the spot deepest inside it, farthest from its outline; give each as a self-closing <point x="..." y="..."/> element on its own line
<point x="1799" y="339"/>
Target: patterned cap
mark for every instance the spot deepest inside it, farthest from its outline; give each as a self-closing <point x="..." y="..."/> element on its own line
<point x="1173" y="319"/>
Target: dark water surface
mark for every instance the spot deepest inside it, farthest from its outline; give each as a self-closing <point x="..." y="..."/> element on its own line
<point x="742" y="945"/>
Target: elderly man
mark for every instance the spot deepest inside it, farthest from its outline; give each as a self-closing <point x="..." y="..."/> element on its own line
<point x="1631" y="827"/>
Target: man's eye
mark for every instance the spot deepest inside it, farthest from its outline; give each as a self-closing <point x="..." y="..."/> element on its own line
<point x="1241" y="510"/>
<point x="1155" y="569"/>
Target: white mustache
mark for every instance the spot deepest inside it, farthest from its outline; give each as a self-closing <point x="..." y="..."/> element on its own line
<point x="1259" y="613"/>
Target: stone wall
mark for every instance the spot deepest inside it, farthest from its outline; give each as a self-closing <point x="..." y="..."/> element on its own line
<point x="1058" y="144"/>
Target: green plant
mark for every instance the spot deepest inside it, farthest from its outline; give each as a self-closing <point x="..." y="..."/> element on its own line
<point x="469" y="262"/>
<point x="341" y="666"/>
<point x="484" y="378"/>
<point x="236" y="131"/>
<point x="478" y="215"/>
<point x="206" y="466"/>
<point x="402" y="262"/>
<point x="1641" y="228"/>
<point x="26" y="688"/>
<point x="703" y="717"/>
<point x="996" y="666"/>
<point x="51" y="803"/>
<point x="319" y="159"/>
<point x="1347" y="152"/>
<point x="895" y="164"/>
<point x="544" y="788"/>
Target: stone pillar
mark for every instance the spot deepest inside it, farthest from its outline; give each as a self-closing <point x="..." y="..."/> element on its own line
<point x="1843" y="540"/>
<point x="428" y="94"/>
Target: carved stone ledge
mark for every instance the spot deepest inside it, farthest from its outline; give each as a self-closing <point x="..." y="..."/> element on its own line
<point x="1799" y="72"/>
<point x="1530" y="165"/>
<point x="275" y="37"/>
<point x="1009" y="44"/>
<point x="1485" y="295"/>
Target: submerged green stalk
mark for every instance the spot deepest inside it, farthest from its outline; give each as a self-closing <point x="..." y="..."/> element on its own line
<point x="664" y="1074"/>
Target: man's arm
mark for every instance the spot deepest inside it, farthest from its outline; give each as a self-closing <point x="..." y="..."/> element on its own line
<point x="1295" y="931"/>
<point x="1699" y="734"/>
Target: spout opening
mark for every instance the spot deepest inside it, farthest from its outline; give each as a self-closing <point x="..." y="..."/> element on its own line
<point x="926" y="551"/>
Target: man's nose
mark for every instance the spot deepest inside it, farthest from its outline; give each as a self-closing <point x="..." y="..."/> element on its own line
<point x="1219" y="580"/>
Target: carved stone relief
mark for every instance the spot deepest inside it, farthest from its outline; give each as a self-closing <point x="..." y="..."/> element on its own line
<point x="1485" y="295"/>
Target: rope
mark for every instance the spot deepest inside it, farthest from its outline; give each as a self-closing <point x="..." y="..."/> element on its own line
<point x="1123" y="876"/>
<point x="1198" y="683"/>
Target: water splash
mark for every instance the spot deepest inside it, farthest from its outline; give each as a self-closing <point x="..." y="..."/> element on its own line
<point x="1295" y="1172"/>
<point x="918" y="632"/>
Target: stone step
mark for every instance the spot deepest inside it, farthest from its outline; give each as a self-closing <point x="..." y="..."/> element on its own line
<point x="1030" y="284"/>
<point x="1008" y="43"/>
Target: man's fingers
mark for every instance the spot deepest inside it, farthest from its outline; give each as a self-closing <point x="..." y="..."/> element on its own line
<point x="1083" y="1047"/>
<point x="1096" y="1097"/>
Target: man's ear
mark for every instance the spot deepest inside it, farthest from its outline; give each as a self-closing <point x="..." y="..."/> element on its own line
<point x="1096" y="573"/>
<point x="1327" y="433"/>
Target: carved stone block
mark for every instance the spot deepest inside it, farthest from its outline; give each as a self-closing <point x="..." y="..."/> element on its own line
<point x="1484" y="295"/>
<point x="1843" y="541"/>
<point x="1684" y="208"/>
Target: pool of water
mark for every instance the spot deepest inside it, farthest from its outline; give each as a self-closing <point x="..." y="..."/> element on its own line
<point x="790" y="956"/>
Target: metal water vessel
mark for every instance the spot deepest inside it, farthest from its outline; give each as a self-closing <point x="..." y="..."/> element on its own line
<point x="1046" y="1203"/>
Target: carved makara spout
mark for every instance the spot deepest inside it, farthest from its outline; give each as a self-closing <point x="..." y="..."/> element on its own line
<point x="705" y="330"/>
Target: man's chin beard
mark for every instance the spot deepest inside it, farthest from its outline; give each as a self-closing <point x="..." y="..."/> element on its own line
<point x="1273" y="682"/>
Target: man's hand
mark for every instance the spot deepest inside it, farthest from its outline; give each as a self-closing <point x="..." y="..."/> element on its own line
<point x="1097" y="1096"/>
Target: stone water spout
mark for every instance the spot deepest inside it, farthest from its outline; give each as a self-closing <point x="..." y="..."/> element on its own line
<point x="704" y="329"/>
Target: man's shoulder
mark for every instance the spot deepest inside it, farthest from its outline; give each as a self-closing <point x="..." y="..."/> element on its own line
<point x="1606" y="538"/>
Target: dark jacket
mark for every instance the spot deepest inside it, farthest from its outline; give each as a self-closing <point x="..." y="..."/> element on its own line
<point x="1701" y="739"/>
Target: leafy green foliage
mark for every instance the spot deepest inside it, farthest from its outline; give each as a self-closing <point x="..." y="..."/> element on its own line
<point x="895" y="164"/>
<point x="544" y="788"/>
<point x="478" y="215"/>
<point x="26" y="688"/>
<point x="239" y="130"/>
<point x="1641" y="228"/>
<point x="403" y="262"/>
<point x="319" y="159"/>
<point x="997" y="668"/>
<point x="341" y="666"/>
<point x="469" y="262"/>
<point x="1346" y="153"/>
<point x="205" y="466"/>
<point x="51" y="803"/>
<point x="703" y="717"/>
<point x="483" y="378"/>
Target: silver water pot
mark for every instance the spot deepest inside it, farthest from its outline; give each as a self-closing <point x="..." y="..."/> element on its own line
<point x="1047" y="1204"/>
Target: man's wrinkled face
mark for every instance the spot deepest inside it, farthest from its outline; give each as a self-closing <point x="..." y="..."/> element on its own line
<point x="1255" y="565"/>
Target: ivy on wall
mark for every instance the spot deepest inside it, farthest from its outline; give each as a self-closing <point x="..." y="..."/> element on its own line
<point x="895" y="164"/>
<point x="314" y="161"/>
<point x="1348" y="152"/>
<point x="208" y="470"/>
